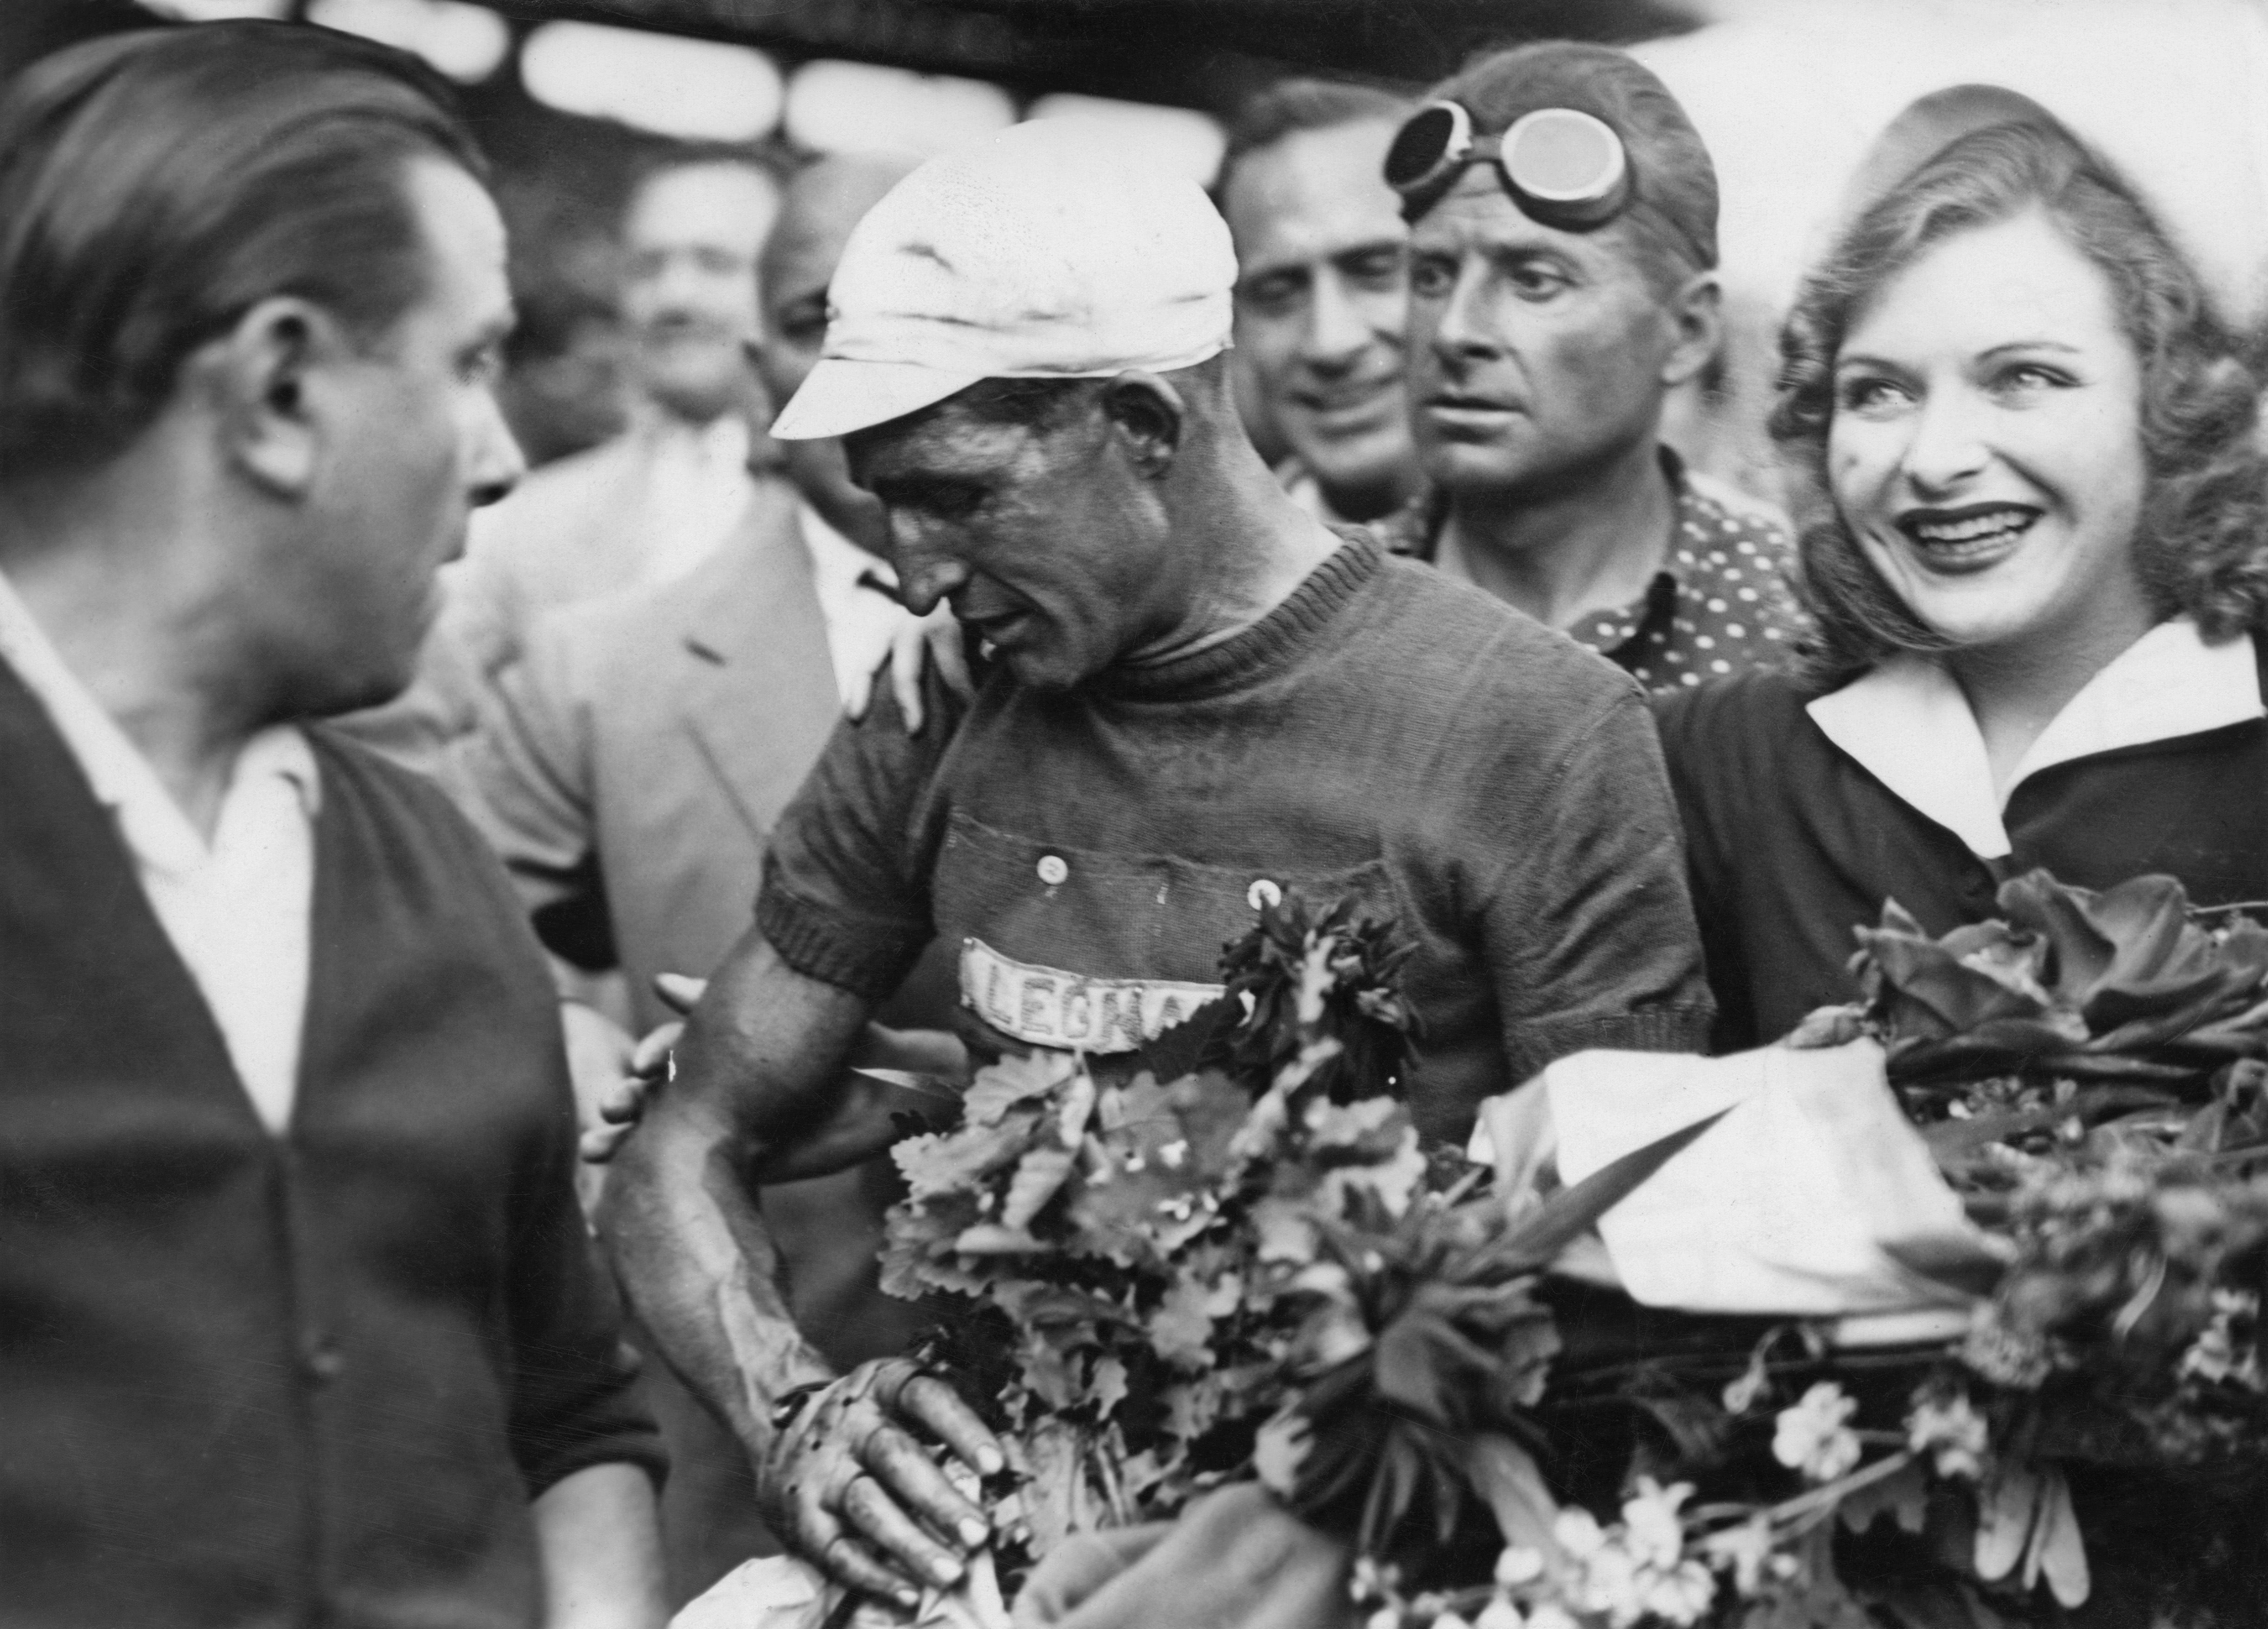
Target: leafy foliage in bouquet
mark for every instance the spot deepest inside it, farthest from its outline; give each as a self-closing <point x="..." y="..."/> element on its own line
<point x="2134" y="1285"/>
<point x="1300" y="975"/>
<point x="1423" y="1348"/>
<point x="1239" y="1259"/>
<point x="2117" y="986"/>
<point x="1127" y="1236"/>
<point x="2091" y="1077"/>
<point x="1746" y="1533"/>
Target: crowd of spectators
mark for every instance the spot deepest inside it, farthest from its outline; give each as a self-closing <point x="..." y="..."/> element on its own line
<point x="930" y="639"/>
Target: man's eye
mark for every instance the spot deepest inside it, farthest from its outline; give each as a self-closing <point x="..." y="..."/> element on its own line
<point x="938" y="500"/>
<point x="1431" y="279"/>
<point x="1274" y="296"/>
<point x="1381" y="269"/>
<point x="1533" y="282"/>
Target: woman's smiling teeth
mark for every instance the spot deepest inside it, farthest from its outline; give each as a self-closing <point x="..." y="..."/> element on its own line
<point x="1967" y="537"/>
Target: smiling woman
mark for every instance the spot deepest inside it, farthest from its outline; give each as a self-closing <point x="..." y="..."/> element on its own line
<point x="2018" y="239"/>
<point x="1986" y="449"/>
<point x="2035" y="535"/>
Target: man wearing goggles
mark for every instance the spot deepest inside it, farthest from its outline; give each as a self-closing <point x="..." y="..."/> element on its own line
<point x="1563" y="218"/>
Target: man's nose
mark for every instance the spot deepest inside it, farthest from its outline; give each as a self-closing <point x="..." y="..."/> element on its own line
<point x="674" y="282"/>
<point x="1467" y="329"/>
<point x="496" y="463"/>
<point x="924" y="578"/>
<point x="1336" y="332"/>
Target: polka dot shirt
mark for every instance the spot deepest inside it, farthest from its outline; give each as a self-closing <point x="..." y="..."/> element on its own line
<point x="1720" y="603"/>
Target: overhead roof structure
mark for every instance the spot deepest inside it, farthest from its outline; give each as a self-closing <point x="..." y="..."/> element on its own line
<point x="1198" y="53"/>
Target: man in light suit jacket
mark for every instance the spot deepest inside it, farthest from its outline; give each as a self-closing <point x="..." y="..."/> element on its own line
<point x="629" y="769"/>
<point x="645" y="507"/>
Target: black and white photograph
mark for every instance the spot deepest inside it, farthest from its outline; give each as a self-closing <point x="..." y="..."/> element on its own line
<point x="1133" y="814"/>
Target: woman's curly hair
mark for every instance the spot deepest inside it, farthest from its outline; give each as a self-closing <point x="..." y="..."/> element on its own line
<point x="2203" y="543"/>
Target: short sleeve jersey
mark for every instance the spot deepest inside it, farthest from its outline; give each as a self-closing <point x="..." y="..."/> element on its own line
<point x="1720" y="603"/>
<point x="1381" y="733"/>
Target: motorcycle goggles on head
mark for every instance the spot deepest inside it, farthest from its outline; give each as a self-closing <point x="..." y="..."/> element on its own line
<point x="1564" y="168"/>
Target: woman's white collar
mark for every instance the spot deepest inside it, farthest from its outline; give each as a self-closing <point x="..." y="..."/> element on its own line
<point x="1909" y="724"/>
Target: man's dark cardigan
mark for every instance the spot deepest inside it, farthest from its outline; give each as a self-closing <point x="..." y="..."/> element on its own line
<point x="251" y="1380"/>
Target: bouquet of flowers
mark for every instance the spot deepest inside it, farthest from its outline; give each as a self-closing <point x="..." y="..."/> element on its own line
<point x="1234" y="1259"/>
<point x="1230" y="1258"/>
<point x="2091" y="1441"/>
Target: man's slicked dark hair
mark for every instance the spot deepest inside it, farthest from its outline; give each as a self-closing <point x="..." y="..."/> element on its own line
<point x="1291" y="105"/>
<point x="156" y="186"/>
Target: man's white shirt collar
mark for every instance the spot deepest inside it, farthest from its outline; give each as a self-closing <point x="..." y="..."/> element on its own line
<point x="836" y="562"/>
<point x="1909" y="724"/>
<point x="237" y="909"/>
<point x="723" y="441"/>
<point x="697" y="489"/>
<point x="860" y="620"/>
<point x="1300" y="486"/>
<point x="156" y="829"/>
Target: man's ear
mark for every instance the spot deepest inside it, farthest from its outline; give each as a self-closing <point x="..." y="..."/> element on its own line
<point x="1149" y="415"/>
<point x="266" y="381"/>
<point x="1696" y="312"/>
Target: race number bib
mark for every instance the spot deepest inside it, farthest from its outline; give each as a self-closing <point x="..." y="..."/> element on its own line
<point x="1048" y="1007"/>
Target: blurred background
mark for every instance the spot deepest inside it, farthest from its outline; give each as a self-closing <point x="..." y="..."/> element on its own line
<point x="572" y="99"/>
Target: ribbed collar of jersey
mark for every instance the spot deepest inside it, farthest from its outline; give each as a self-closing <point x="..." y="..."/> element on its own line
<point x="1277" y="638"/>
<point x="1907" y="724"/>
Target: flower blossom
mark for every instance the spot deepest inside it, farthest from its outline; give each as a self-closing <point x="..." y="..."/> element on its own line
<point x="1611" y="1583"/>
<point x="1500" y="1613"/>
<point x="1741" y="1395"/>
<point x="1944" y="1426"/>
<point x="1745" y="1550"/>
<point x="1657" y="1538"/>
<point x="1815" y="1436"/>
<point x="1682" y="1596"/>
<point x="1518" y="1565"/>
<point x="1577" y="1531"/>
<point x="1634" y="1571"/>
<point x="1371" y="1581"/>
<point x="2220" y="1352"/>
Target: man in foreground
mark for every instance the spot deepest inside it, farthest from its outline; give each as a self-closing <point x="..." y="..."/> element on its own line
<point x="1201" y="699"/>
<point x="1323" y="290"/>
<point x="302" y="1324"/>
<point x="1562" y="281"/>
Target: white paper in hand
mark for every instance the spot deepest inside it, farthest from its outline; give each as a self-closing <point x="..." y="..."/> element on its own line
<point x="1782" y="1206"/>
